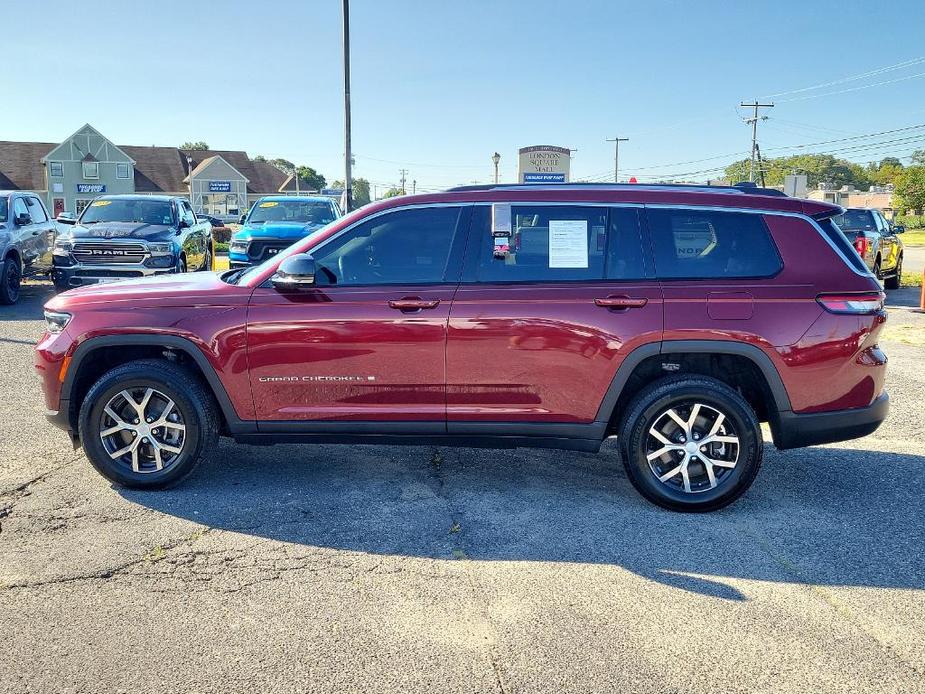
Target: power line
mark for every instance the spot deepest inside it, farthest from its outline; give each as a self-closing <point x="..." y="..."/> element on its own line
<point x="754" y="123"/>
<point x="852" y="89"/>
<point x="843" y="80"/>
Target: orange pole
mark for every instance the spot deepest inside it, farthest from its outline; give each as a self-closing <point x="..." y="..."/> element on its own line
<point x="922" y="299"/>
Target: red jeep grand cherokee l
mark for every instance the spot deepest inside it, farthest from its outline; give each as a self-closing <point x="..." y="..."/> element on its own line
<point x="676" y="318"/>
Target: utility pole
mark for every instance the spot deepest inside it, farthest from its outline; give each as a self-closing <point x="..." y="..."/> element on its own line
<point x="753" y="121"/>
<point x="348" y="158"/>
<point x="403" y="172"/>
<point x="414" y="187"/>
<point x="616" y="154"/>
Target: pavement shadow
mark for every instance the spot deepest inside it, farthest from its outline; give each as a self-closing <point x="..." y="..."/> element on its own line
<point x="907" y="297"/>
<point x="32" y="297"/>
<point x="820" y="515"/>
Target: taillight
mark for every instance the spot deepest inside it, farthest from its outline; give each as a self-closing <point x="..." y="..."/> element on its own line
<point x="861" y="244"/>
<point x="869" y="302"/>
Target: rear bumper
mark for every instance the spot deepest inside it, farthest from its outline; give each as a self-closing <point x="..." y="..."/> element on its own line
<point x="797" y="430"/>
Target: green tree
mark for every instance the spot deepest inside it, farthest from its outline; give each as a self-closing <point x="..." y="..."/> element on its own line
<point x="909" y="191"/>
<point x="312" y="179"/>
<point x="918" y="156"/>
<point x="819" y="168"/>
<point x="200" y="145"/>
<point x="260" y="157"/>
<point x="361" y="194"/>
<point x="392" y="192"/>
<point x="283" y="165"/>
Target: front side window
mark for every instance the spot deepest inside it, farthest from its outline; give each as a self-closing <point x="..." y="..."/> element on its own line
<point x="693" y="244"/>
<point x="91" y="169"/>
<point x="4" y="209"/>
<point x="122" y="170"/>
<point x="19" y="208"/>
<point x="56" y="169"/>
<point x="36" y="211"/>
<point x="402" y="247"/>
<point x="547" y="243"/>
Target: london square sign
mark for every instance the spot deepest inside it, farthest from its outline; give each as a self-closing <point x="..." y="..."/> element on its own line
<point x="544" y="164"/>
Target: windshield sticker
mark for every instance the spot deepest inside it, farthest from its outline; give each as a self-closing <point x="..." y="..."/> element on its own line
<point x="568" y="243"/>
<point x="269" y="203"/>
<point x="100" y="203"/>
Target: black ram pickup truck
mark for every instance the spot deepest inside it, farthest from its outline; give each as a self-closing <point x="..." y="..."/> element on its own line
<point x="124" y="236"/>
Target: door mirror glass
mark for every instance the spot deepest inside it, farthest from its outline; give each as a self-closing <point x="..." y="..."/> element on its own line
<point x="899" y="229"/>
<point x="23" y="219"/>
<point x="66" y="218"/>
<point x="294" y="273"/>
<point x="242" y="219"/>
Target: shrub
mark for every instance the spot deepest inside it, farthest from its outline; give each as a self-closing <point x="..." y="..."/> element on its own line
<point x="221" y="234"/>
<point x="911" y="221"/>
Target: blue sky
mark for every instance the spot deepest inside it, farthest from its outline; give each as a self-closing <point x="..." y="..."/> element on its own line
<point x="439" y="86"/>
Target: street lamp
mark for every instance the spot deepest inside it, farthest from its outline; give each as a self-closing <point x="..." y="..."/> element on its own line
<point x="496" y="158"/>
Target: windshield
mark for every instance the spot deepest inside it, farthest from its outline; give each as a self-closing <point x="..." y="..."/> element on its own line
<point x="4" y="206"/>
<point x="855" y="219"/>
<point x="294" y="211"/>
<point x="132" y="210"/>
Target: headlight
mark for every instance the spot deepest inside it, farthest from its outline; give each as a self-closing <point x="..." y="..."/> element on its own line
<point x="55" y="322"/>
<point x="240" y="246"/>
<point x="63" y="247"/>
<point x="161" y="248"/>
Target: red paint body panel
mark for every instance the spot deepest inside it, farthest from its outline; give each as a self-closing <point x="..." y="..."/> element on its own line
<point x="342" y="353"/>
<point x="541" y="353"/>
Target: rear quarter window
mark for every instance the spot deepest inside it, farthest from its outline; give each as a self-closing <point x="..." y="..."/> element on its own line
<point x="694" y="244"/>
<point x="837" y="238"/>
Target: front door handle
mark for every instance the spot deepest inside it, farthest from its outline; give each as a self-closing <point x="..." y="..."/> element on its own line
<point x="413" y="303"/>
<point x="620" y="303"/>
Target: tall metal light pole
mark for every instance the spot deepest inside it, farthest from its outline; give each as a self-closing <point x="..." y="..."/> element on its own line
<point x="348" y="159"/>
<point x="616" y="155"/>
<point x="496" y="158"/>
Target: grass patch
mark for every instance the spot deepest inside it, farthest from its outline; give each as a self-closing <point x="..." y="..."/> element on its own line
<point x="913" y="237"/>
<point x="911" y="279"/>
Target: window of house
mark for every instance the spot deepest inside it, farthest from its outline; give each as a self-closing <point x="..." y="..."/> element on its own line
<point x="693" y="244"/>
<point x="122" y="171"/>
<point x="402" y="247"/>
<point x="56" y="169"/>
<point x="91" y="169"/>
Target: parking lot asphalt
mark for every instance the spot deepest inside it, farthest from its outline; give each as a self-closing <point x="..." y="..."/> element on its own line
<point x="375" y="568"/>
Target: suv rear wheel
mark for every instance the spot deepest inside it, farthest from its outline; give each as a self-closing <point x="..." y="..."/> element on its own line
<point x="147" y="424"/>
<point x="691" y="443"/>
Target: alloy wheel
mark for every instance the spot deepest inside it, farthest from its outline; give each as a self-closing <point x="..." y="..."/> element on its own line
<point x="692" y="447"/>
<point x="13" y="280"/>
<point x="143" y="429"/>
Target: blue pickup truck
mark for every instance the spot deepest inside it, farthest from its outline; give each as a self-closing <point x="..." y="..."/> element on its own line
<point x="276" y="222"/>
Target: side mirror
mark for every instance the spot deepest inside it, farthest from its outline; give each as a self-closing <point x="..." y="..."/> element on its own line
<point x="23" y="219"/>
<point x="242" y="219"/>
<point x="899" y="229"/>
<point x="294" y="273"/>
<point x="183" y="224"/>
<point x="66" y="218"/>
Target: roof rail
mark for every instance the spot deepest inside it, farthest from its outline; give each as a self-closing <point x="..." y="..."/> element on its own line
<point x="744" y="188"/>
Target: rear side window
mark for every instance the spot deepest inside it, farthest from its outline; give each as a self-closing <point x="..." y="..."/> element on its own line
<point x="856" y="219"/>
<point x="547" y="243"/>
<point x="837" y="238"/>
<point x="695" y="244"/>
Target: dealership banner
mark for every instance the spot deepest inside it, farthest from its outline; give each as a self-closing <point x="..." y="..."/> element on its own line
<point x="219" y="186"/>
<point x="544" y="164"/>
<point x="91" y="187"/>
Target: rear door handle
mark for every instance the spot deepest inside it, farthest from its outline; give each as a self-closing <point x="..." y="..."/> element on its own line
<point x="413" y="303"/>
<point x="620" y="303"/>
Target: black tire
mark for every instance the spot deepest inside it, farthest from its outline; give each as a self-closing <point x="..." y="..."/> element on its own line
<point x="878" y="273"/>
<point x="10" y="281"/>
<point x="896" y="279"/>
<point x="207" y="261"/>
<point x="194" y="404"/>
<point x="650" y="407"/>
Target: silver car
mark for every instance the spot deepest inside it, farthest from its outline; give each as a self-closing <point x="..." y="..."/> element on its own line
<point x="27" y="237"/>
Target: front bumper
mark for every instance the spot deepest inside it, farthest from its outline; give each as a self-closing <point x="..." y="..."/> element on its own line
<point x="78" y="275"/>
<point x="795" y="430"/>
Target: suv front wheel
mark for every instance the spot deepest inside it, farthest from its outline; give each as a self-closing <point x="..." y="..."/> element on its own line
<point x="146" y="424"/>
<point x="691" y="443"/>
